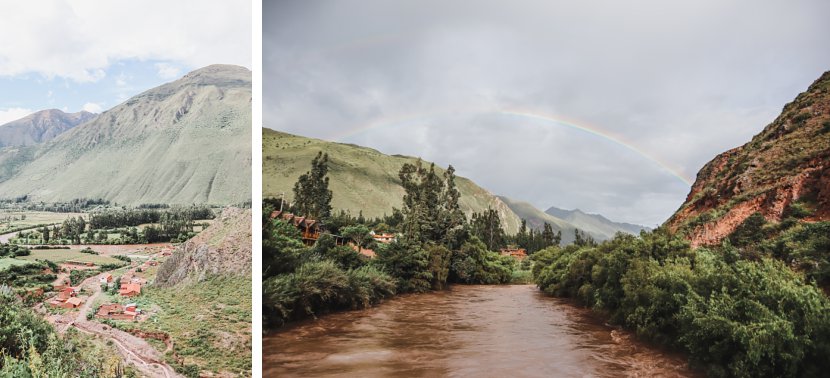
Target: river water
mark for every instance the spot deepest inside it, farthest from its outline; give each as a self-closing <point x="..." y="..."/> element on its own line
<point x="468" y="331"/>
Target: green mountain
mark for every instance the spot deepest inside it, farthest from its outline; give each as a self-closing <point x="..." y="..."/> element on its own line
<point x="188" y="141"/>
<point x="362" y="179"/>
<point x="40" y="127"/>
<point x="595" y="223"/>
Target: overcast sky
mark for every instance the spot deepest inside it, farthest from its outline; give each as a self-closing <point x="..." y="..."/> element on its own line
<point x="93" y="55"/>
<point x="678" y="83"/>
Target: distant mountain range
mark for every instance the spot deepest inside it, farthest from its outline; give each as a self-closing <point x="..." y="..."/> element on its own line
<point x="184" y="142"/>
<point x="40" y="127"/>
<point x="595" y="223"/>
<point x="598" y="226"/>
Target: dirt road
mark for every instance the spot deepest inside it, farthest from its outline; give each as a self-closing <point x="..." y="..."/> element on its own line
<point x="134" y="350"/>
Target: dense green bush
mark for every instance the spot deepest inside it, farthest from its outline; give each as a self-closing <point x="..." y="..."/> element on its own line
<point x="474" y="264"/>
<point x="734" y="317"/>
<point x="321" y="286"/>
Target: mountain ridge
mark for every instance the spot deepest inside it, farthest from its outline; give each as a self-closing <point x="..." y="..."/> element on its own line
<point x="41" y="126"/>
<point x="183" y="142"/>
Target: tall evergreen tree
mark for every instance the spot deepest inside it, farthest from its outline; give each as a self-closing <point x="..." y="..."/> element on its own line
<point x="312" y="196"/>
<point x="487" y="227"/>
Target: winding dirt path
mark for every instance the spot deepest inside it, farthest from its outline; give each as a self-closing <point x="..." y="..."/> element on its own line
<point x="134" y="350"/>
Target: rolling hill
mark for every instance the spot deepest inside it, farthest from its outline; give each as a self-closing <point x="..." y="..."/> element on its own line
<point x="188" y="141"/>
<point x="782" y="170"/>
<point x="361" y="178"/>
<point x="40" y="127"/>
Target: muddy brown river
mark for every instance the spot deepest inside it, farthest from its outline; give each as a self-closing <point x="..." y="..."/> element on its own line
<point x="468" y="331"/>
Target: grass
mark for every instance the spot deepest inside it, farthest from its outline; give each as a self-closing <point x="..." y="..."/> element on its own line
<point x="62" y="255"/>
<point x="9" y="262"/>
<point x="216" y="335"/>
<point x="13" y="220"/>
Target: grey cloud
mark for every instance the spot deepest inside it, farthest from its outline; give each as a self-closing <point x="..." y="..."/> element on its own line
<point x="681" y="82"/>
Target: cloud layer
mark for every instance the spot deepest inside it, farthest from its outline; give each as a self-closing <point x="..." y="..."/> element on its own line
<point x="680" y="83"/>
<point x="79" y="39"/>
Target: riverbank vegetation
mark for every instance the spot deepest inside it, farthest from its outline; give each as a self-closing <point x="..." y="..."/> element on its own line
<point x="434" y="245"/>
<point x="735" y="311"/>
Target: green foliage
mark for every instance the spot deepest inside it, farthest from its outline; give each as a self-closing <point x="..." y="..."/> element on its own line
<point x="319" y="287"/>
<point x="430" y="206"/>
<point x="807" y="247"/>
<point x="487" y="227"/>
<point x="312" y="196"/>
<point x="750" y="232"/>
<point x="733" y="317"/>
<point x="408" y="263"/>
<point x="474" y="264"/>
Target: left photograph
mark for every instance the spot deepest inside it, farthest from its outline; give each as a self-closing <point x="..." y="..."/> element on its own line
<point x="125" y="189"/>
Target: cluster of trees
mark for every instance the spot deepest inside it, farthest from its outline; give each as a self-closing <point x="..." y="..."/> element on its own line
<point x="134" y="217"/>
<point x="300" y="281"/>
<point x="32" y="348"/>
<point x="10" y="250"/>
<point x="435" y="246"/>
<point x="174" y="224"/>
<point x="733" y="313"/>
<point x="28" y="275"/>
<point x="533" y="241"/>
<point x="73" y="206"/>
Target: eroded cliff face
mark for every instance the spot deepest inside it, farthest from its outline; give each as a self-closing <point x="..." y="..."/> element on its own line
<point x="787" y="163"/>
<point x="224" y="248"/>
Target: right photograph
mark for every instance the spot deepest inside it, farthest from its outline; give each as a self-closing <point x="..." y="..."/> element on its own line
<point x="545" y="189"/>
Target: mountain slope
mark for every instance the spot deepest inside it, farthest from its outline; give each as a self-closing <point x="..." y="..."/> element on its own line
<point x="594" y="223"/>
<point x="223" y="248"/>
<point x="41" y="126"/>
<point x="361" y="178"/>
<point x="188" y="141"/>
<point x="536" y="219"/>
<point x="787" y="163"/>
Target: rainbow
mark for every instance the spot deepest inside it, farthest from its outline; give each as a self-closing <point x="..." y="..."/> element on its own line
<point x="557" y="121"/>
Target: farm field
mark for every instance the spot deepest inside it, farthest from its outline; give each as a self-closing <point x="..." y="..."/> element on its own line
<point x="8" y="262"/>
<point x="14" y="220"/>
<point x="62" y="255"/>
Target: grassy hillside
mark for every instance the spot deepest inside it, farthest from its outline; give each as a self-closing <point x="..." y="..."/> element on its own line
<point x="184" y="142"/>
<point x="361" y="178"/>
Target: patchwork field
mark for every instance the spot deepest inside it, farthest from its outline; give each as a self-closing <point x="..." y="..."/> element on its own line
<point x="15" y="220"/>
<point x="62" y="255"/>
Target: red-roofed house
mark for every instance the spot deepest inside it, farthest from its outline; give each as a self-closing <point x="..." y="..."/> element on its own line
<point x="130" y="290"/>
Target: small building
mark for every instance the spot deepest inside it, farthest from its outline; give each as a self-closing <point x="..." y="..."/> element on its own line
<point x="516" y="252"/>
<point x="152" y="263"/>
<point x="130" y="290"/>
<point x="383" y="237"/>
<point x="67" y="293"/>
<point x="73" y="302"/>
<point x="116" y="311"/>
<point x="106" y="278"/>
<point x="309" y="228"/>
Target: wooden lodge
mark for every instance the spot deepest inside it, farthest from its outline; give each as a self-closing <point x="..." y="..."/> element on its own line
<point x="383" y="237"/>
<point x="310" y="229"/>
<point x="515" y="252"/>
